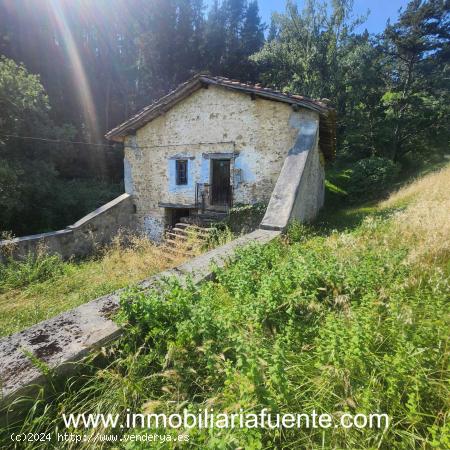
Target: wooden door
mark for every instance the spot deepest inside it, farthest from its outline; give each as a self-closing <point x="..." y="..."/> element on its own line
<point x="220" y="182"/>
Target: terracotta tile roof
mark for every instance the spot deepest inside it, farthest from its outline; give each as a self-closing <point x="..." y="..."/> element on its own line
<point x="147" y="114"/>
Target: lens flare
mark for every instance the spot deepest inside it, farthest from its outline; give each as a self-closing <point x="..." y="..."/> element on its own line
<point x="80" y="79"/>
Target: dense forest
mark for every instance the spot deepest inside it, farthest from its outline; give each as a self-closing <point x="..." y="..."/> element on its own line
<point x="70" y="71"/>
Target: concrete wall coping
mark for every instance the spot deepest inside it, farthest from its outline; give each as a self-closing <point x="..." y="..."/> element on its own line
<point x="33" y="237"/>
<point x="99" y="211"/>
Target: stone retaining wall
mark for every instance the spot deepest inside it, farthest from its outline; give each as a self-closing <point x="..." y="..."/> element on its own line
<point x="79" y="239"/>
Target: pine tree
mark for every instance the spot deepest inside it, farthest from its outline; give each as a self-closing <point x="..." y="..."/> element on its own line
<point x="215" y="44"/>
<point x="252" y="40"/>
<point x="417" y="47"/>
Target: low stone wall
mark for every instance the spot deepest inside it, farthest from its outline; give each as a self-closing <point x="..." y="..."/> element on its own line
<point x="79" y="239"/>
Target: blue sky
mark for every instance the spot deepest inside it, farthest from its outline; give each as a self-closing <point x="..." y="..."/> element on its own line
<point x="380" y="11"/>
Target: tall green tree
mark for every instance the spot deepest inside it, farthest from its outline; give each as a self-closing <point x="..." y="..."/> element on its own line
<point x="215" y="44"/>
<point x="234" y="31"/>
<point x="305" y="47"/>
<point x="252" y="40"/>
<point x="28" y="168"/>
<point x="416" y="97"/>
<point x="390" y="91"/>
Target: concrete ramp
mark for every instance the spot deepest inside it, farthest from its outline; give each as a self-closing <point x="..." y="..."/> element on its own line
<point x="298" y="192"/>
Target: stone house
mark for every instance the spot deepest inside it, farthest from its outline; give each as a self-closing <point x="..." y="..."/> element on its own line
<point x="213" y="143"/>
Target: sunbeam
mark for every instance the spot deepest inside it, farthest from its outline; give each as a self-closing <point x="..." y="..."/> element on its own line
<point x="80" y="80"/>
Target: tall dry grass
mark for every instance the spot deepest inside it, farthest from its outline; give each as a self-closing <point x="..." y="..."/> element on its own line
<point x="42" y="287"/>
<point x="135" y="256"/>
<point x="425" y="222"/>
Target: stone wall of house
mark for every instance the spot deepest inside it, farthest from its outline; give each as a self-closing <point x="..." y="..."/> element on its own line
<point x="79" y="239"/>
<point x="256" y="133"/>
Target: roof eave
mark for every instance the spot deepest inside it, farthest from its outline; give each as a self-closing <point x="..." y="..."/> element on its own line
<point x="162" y="105"/>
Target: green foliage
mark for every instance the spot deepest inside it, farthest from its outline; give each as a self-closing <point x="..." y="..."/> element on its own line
<point x="305" y="48"/>
<point x="390" y="91"/>
<point x="362" y="181"/>
<point x="298" y="232"/>
<point x="33" y="196"/>
<point x="34" y="269"/>
<point x="61" y="202"/>
<point x="343" y="323"/>
<point x="179" y="40"/>
<point x="370" y="178"/>
<point x="219" y="235"/>
<point x="72" y="199"/>
<point x="22" y="97"/>
<point x="244" y="218"/>
<point x="24" y="179"/>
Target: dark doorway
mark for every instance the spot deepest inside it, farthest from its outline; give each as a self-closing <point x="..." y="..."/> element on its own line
<point x="173" y="215"/>
<point x="220" y="182"/>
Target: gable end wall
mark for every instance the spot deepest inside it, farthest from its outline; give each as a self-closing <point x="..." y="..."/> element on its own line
<point x="259" y="133"/>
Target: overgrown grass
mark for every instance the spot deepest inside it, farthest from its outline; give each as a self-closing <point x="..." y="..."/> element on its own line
<point x="43" y="286"/>
<point x="350" y="320"/>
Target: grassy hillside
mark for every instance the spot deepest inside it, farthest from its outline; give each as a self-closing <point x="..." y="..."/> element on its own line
<point x="328" y="318"/>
